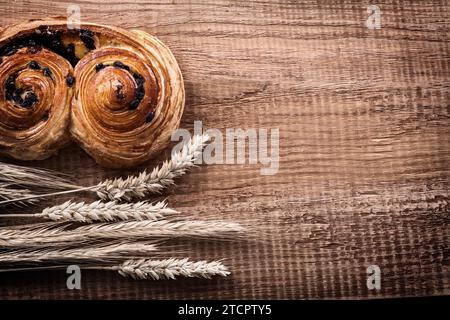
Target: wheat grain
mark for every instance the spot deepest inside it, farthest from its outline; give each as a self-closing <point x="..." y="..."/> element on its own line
<point x="7" y="193"/>
<point x="164" y="228"/>
<point x="169" y="269"/>
<point x="10" y="237"/>
<point x="136" y="187"/>
<point x="102" y="211"/>
<point x="151" y="269"/>
<point x="109" y="211"/>
<point x="106" y="252"/>
<point x="26" y="232"/>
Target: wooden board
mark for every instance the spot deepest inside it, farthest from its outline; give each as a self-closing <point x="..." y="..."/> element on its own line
<point x="364" y="122"/>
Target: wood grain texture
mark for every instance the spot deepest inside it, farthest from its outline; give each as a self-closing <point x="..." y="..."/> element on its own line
<point x="364" y="120"/>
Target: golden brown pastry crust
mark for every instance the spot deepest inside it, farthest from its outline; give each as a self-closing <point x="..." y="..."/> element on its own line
<point x="128" y="92"/>
<point x="34" y="103"/>
<point x="104" y="120"/>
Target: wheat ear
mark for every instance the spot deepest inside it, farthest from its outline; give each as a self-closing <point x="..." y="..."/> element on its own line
<point x="102" y="211"/>
<point x="151" y="269"/>
<point x="34" y="178"/>
<point x="169" y="269"/>
<point x="10" y="237"/>
<point x="106" y="252"/>
<point x="136" y="187"/>
<point x="7" y="193"/>
<point x="139" y="186"/>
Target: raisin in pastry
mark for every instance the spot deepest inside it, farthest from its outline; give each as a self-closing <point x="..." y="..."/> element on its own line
<point x="34" y="103"/>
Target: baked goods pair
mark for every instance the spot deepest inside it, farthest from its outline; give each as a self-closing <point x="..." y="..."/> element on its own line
<point x="119" y="94"/>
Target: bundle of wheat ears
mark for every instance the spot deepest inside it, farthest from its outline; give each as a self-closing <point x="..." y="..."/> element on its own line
<point x="133" y="231"/>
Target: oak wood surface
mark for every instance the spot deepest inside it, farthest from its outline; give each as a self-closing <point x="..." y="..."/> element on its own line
<point x="364" y="122"/>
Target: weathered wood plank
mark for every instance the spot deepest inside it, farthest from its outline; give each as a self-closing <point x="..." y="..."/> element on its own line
<point x="364" y="120"/>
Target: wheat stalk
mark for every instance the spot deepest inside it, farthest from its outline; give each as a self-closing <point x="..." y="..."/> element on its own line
<point x="102" y="211"/>
<point x="7" y="194"/>
<point x="152" y="269"/>
<point x="169" y="269"/>
<point x="13" y="237"/>
<point x="138" y="186"/>
<point x="34" y="178"/>
<point x="106" y="252"/>
<point x="164" y="228"/>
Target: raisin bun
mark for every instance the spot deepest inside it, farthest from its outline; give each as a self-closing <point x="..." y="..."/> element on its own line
<point x="35" y="100"/>
<point x="119" y="94"/>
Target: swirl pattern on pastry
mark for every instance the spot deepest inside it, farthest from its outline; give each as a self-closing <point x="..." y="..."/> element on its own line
<point x="34" y="103"/>
<point x="126" y="91"/>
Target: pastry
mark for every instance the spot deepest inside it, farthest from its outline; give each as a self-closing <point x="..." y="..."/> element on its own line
<point x="35" y="99"/>
<point x="125" y="94"/>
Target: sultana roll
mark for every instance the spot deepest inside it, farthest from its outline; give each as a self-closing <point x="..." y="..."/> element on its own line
<point x="35" y="98"/>
<point x="125" y="94"/>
